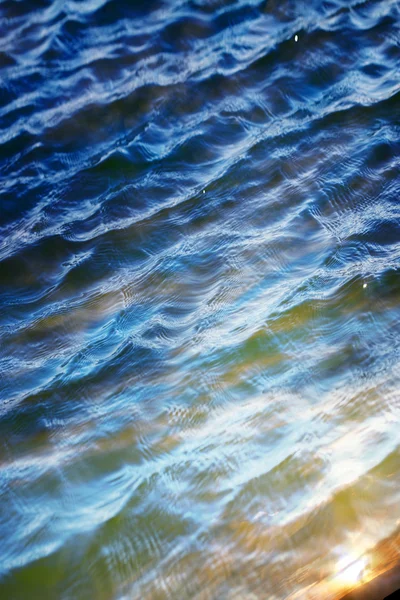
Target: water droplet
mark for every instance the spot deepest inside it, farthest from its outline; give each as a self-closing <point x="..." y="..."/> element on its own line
<point x="364" y="285"/>
<point x="296" y="38"/>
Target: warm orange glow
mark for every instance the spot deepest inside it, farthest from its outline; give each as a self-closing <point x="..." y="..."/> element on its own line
<point x="351" y="570"/>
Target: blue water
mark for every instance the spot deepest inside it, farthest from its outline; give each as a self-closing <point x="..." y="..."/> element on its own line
<point x="199" y="294"/>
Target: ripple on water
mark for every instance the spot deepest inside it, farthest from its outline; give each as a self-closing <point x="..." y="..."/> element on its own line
<point x="199" y="283"/>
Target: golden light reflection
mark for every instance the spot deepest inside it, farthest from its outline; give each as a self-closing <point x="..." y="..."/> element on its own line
<point x="357" y="568"/>
<point x="351" y="570"/>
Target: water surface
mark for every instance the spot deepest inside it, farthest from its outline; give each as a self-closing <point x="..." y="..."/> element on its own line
<point x="199" y="292"/>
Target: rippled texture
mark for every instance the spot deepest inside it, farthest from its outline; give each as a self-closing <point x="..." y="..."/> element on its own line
<point x="199" y="291"/>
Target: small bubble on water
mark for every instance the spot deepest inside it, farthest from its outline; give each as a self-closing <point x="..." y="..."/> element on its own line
<point x="364" y="285"/>
<point x="204" y="191"/>
<point x="296" y="38"/>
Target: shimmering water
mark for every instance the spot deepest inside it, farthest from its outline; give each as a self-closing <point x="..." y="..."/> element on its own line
<point x="199" y="292"/>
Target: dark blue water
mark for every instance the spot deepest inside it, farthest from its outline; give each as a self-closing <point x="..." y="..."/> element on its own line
<point x="199" y="293"/>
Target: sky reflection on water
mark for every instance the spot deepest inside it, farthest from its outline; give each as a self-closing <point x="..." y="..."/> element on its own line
<point x="199" y="292"/>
